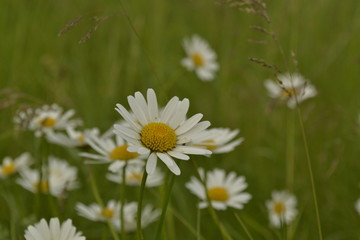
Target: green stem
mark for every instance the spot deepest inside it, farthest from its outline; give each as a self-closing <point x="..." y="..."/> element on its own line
<point x="310" y="172"/>
<point x="243" y="226"/>
<point x="290" y="153"/>
<point x="122" y="200"/>
<point x="198" y="218"/>
<point x="165" y="205"/>
<point x="139" y="208"/>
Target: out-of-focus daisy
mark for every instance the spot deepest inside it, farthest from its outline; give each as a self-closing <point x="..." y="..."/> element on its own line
<point x="110" y="151"/>
<point x="282" y="208"/>
<point x="160" y="134"/>
<point x="218" y="140"/>
<point x="357" y="206"/>
<point x="47" y="117"/>
<point x="223" y="190"/>
<point x="72" y="137"/>
<point x="53" y="231"/>
<point x="10" y="166"/>
<point x="96" y="213"/>
<point x="289" y="88"/>
<point x="200" y="58"/>
<point x="58" y="178"/>
<point x="134" y="174"/>
<point x="148" y="216"/>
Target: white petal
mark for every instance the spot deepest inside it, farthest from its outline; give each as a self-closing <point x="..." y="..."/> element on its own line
<point x="152" y="105"/>
<point x="188" y="124"/>
<point x="151" y="163"/>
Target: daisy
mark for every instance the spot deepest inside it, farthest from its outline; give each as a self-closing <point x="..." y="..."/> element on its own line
<point x="96" y="213"/>
<point x="160" y="134"/>
<point x="72" y="137"/>
<point x="218" y="140"/>
<point x="53" y="231"/>
<point x="134" y="174"/>
<point x="200" y="58"/>
<point x="282" y="208"/>
<point x="357" y="205"/>
<point x="10" y="166"/>
<point x="223" y="190"/>
<point x="56" y="179"/>
<point x="110" y="151"/>
<point x="148" y="216"/>
<point x="290" y="87"/>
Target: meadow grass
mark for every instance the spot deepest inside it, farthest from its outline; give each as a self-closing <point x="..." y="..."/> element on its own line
<point x="39" y="67"/>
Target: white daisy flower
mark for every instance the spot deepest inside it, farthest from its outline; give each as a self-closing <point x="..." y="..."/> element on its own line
<point x="357" y="206"/>
<point x="200" y="58"/>
<point x="72" y="137"/>
<point x="53" y="231"/>
<point x="96" y="213"/>
<point x="160" y="134"/>
<point x="47" y="118"/>
<point x="218" y="140"/>
<point x="11" y="166"/>
<point x="291" y="87"/>
<point x="134" y="174"/>
<point x="223" y="190"/>
<point x="57" y="178"/>
<point x="148" y="216"/>
<point x="282" y="208"/>
<point x="110" y="151"/>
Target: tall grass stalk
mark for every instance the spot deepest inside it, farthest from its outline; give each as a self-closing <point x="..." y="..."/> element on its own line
<point x="139" y="208"/>
<point x="237" y="216"/>
<point x="290" y="150"/>
<point x="122" y="201"/>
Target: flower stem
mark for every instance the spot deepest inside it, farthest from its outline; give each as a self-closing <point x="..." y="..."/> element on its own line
<point x="122" y="200"/>
<point x="139" y="208"/>
<point x="243" y="226"/>
<point x="290" y="149"/>
<point x="165" y="205"/>
<point x="198" y="219"/>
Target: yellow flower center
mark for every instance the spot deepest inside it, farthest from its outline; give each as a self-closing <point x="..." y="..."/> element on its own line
<point x="47" y="122"/>
<point x="208" y="144"/>
<point x="135" y="177"/>
<point x="8" y="169"/>
<point x="42" y="186"/>
<point x="121" y="153"/>
<point x="197" y="59"/>
<point x="107" y="213"/>
<point x="279" y="208"/>
<point x="80" y="138"/>
<point x="289" y="92"/>
<point x="158" y="137"/>
<point x="218" y="194"/>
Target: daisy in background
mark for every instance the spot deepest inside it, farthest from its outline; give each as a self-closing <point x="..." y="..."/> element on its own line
<point x="160" y="134"/>
<point x="45" y="118"/>
<point x="72" y="137"/>
<point x="282" y="208"/>
<point x="223" y="190"/>
<point x="53" y="231"/>
<point x="357" y="206"/>
<point x="112" y="150"/>
<point x="96" y="213"/>
<point x="290" y="87"/>
<point x="134" y="174"/>
<point x="58" y="178"/>
<point x="218" y="140"/>
<point x="200" y="58"/>
<point x="11" y="166"/>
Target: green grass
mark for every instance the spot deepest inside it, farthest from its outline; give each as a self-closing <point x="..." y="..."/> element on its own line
<point x="93" y="76"/>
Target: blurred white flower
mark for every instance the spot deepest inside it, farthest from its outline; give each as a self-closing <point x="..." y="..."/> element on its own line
<point x="96" y="213"/>
<point x="200" y="58"/>
<point x="223" y="190"/>
<point x="291" y="87"/>
<point x="58" y="178"/>
<point x="72" y="137"/>
<point x="282" y="208"/>
<point x="160" y="134"/>
<point x="134" y="174"/>
<point x="10" y="166"/>
<point x="217" y="140"/>
<point x="357" y="206"/>
<point x="53" y="231"/>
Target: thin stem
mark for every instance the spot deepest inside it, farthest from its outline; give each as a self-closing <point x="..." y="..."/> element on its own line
<point x="198" y="218"/>
<point x="165" y="205"/>
<point x="139" y="208"/>
<point x="290" y="150"/>
<point x="243" y="226"/>
<point x="122" y="200"/>
<point x="310" y="172"/>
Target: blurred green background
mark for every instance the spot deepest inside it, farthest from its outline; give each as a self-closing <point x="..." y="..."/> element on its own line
<point x="39" y="67"/>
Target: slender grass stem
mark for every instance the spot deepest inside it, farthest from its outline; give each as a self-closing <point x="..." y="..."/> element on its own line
<point x="237" y="216"/>
<point x="313" y="188"/>
<point x="165" y="205"/>
<point x="290" y="150"/>
<point x="198" y="219"/>
<point x="139" y="208"/>
<point x="122" y="200"/>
